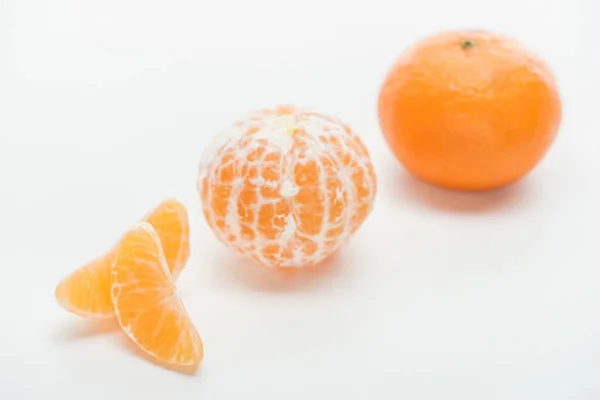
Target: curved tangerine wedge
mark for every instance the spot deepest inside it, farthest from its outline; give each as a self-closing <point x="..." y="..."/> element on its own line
<point x="86" y="291"/>
<point x="170" y="221"/>
<point x="146" y="303"/>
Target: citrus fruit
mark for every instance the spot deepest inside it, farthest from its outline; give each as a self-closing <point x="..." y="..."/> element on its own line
<point x="286" y="187"/>
<point x="86" y="291"/>
<point x="469" y="110"/>
<point x="146" y="303"/>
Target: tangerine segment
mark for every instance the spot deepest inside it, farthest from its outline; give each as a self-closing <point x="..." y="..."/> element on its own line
<point x="146" y="303"/>
<point x="286" y="187"/>
<point x="170" y="221"/>
<point x="86" y="292"/>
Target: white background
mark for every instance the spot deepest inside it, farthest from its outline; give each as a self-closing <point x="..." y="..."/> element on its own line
<point x="105" y="108"/>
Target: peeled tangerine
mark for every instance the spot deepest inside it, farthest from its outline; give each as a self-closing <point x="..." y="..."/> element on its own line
<point x="286" y="187"/>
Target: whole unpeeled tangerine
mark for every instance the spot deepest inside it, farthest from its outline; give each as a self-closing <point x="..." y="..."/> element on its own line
<point x="469" y="110"/>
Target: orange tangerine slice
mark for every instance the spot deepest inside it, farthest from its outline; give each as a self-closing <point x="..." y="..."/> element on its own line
<point x="86" y="291"/>
<point x="146" y="303"/>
